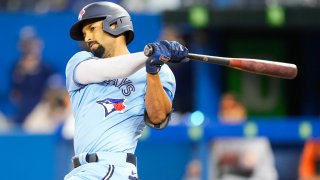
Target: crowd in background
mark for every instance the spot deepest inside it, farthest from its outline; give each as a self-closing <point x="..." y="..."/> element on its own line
<point x="151" y="6"/>
<point x="37" y="91"/>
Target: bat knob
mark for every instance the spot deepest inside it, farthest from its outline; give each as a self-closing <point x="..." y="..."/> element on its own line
<point x="148" y="50"/>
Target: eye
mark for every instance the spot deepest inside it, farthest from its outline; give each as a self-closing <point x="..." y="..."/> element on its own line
<point x="92" y="28"/>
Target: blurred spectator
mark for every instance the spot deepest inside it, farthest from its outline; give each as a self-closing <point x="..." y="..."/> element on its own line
<point x="29" y="75"/>
<point x="231" y="111"/>
<point x="309" y="167"/>
<point x="171" y="33"/>
<point x="151" y="6"/>
<point x="38" y="6"/>
<point x="243" y="159"/>
<point x="4" y="123"/>
<point x="52" y="111"/>
<point x="45" y="6"/>
<point x="194" y="170"/>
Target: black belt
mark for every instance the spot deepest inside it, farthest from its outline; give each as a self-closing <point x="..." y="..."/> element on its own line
<point x="90" y="158"/>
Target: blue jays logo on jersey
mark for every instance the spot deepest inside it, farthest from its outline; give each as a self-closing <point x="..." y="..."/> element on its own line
<point x="111" y="104"/>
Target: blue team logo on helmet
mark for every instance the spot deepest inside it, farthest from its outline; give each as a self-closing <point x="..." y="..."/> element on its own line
<point x="110" y="105"/>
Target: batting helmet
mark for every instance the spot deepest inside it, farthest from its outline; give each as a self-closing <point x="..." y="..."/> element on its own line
<point x="111" y="13"/>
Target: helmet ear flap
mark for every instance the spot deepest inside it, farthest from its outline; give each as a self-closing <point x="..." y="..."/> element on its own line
<point x="123" y="25"/>
<point x="107" y="23"/>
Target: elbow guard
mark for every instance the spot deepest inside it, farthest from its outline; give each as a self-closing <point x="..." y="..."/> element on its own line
<point x="160" y="126"/>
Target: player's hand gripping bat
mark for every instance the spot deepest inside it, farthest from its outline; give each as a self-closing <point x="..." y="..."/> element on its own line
<point x="257" y="66"/>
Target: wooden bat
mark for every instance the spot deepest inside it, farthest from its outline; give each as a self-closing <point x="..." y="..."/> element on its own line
<point x="257" y="66"/>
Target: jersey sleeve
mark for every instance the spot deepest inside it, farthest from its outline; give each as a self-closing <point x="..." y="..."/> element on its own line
<point x="75" y="60"/>
<point x="168" y="81"/>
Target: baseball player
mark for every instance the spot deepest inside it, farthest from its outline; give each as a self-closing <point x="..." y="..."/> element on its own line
<point x="114" y="94"/>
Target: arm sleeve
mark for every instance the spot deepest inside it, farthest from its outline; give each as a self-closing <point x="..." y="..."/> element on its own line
<point x="83" y="68"/>
<point x="169" y="85"/>
<point x="98" y="70"/>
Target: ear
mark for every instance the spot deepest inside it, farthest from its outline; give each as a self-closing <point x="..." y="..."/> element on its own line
<point x="114" y="25"/>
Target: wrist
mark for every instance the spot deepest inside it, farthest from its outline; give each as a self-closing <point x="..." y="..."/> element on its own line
<point x="152" y="76"/>
<point x="152" y="68"/>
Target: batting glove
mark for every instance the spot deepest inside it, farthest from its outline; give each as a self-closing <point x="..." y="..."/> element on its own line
<point x="160" y="55"/>
<point x="179" y="53"/>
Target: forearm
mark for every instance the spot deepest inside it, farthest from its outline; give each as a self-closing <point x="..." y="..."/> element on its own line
<point x="95" y="71"/>
<point x="158" y="104"/>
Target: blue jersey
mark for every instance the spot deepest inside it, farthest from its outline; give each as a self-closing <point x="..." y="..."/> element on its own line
<point x="109" y="116"/>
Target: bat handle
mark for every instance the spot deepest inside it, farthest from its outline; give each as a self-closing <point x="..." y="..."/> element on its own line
<point x="148" y="50"/>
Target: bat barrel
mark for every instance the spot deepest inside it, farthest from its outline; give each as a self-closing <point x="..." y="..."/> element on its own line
<point x="268" y="68"/>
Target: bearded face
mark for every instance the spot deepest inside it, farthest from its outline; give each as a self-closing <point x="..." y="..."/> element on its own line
<point x="99" y="51"/>
<point x="96" y="48"/>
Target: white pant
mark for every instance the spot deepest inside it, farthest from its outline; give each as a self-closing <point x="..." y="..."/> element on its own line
<point x="111" y="166"/>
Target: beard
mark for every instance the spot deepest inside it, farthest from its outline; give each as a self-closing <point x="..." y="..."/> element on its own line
<point x="99" y="52"/>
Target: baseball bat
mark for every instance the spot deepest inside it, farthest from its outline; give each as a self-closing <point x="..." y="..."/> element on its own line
<point x="256" y="66"/>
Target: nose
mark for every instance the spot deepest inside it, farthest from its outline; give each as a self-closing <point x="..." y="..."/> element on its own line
<point x="87" y="37"/>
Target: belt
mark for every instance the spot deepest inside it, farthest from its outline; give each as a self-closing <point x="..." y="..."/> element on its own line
<point x="94" y="157"/>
